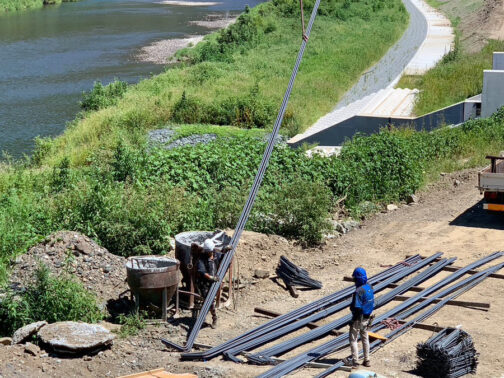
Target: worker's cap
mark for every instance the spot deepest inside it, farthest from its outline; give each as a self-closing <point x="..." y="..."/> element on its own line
<point x="360" y="275"/>
<point x="208" y="245"/>
<point x="358" y="272"/>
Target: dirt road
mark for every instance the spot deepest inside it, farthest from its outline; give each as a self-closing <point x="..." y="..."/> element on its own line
<point x="447" y="218"/>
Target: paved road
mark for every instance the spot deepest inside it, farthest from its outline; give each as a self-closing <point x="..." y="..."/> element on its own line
<point x="383" y="73"/>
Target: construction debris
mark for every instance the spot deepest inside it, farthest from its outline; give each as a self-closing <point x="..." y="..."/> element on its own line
<point x="76" y="338"/>
<point x="293" y="275"/>
<point x="450" y="353"/>
<point x="25" y="332"/>
<point x="410" y="313"/>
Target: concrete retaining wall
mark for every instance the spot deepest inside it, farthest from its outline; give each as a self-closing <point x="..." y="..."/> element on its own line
<point x="337" y="134"/>
<point x="493" y="91"/>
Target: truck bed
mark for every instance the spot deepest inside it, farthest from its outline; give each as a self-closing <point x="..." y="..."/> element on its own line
<point x="493" y="181"/>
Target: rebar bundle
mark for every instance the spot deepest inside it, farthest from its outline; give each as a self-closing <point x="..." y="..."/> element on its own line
<point x="293" y="275"/>
<point x="450" y="353"/>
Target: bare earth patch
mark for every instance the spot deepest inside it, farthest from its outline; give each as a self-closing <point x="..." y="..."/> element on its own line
<point x="447" y="218"/>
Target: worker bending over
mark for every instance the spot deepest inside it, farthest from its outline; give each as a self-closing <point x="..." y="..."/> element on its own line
<point x="207" y="266"/>
<point x="362" y="306"/>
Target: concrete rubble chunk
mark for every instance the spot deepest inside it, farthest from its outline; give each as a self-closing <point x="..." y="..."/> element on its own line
<point x="350" y="224"/>
<point x="261" y="273"/>
<point x="411" y="199"/>
<point x="32" y="349"/>
<point x="25" y="332"/>
<point x="75" y="338"/>
<point x="84" y="247"/>
<point x="5" y="341"/>
<point x="392" y="207"/>
<point x="338" y="227"/>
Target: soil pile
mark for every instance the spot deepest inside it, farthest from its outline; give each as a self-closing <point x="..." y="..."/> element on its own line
<point x="70" y="252"/>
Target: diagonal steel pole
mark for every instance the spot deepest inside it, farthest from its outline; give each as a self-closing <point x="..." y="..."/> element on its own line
<point x="251" y="199"/>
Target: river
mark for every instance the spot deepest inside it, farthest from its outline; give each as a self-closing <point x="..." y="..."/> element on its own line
<point x="49" y="56"/>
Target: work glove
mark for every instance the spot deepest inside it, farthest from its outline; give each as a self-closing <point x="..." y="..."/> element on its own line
<point x="214" y="278"/>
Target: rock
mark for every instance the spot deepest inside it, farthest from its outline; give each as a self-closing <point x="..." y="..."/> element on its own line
<point x="161" y="135"/>
<point x="24" y="332"/>
<point x="264" y="258"/>
<point x="261" y="273"/>
<point x="84" y="248"/>
<point x="31" y="349"/>
<point x="350" y="224"/>
<point x="392" y="207"/>
<point x="456" y="183"/>
<point x="411" y="199"/>
<point x="73" y="337"/>
<point x="338" y="227"/>
<point x="5" y="341"/>
<point x="106" y="269"/>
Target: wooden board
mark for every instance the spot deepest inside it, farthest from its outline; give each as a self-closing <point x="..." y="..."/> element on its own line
<point x="158" y="373"/>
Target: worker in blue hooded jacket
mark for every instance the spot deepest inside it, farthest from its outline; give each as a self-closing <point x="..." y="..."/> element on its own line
<point x="362" y="307"/>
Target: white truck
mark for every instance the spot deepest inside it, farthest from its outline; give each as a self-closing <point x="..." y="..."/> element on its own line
<point x="491" y="184"/>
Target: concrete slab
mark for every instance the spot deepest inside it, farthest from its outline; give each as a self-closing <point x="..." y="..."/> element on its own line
<point x="493" y="92"/>
<point x="498" y="61"/>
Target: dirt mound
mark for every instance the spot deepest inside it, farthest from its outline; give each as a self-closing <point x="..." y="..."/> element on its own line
<point x="482" y="21"/>
<point x="259" y="251"/>
<point x="99" y="270"/>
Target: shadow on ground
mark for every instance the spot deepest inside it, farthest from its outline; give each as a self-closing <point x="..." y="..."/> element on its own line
<point x="475" y="216"/>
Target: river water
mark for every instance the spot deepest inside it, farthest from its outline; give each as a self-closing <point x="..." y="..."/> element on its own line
<point x="49" y="56"/>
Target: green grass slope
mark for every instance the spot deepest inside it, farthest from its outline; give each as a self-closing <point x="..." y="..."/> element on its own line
<point x="457" y="77"/>
<point x="238" y="76"/>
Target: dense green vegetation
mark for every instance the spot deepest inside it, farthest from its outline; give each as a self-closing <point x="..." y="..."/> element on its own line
<point x="238" y="76"/>
<point x="133" y="199"/>
<point x="102" y="96"/>
<point x="14" y="5"/>
<point x="49" y="298"/>
<point x="455" y="78"/>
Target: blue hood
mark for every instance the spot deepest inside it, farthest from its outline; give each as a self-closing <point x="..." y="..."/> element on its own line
<point x="360" y="276"/>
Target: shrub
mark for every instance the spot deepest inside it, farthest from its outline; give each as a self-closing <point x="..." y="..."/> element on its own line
<point x="298" y="209"/>
<point x="380" y="167"/>
<point x="131" y="324"/>
<point x="50" y="298"/>
<point x="102" y="96"/>
<point x="188" y="110"/>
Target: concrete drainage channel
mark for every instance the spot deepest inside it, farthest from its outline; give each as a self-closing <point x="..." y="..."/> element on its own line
<point x="387" y="71"/>
<point x="428" y="38"/>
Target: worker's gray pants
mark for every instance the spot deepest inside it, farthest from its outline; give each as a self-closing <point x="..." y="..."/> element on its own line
<point x="359" y="327"/>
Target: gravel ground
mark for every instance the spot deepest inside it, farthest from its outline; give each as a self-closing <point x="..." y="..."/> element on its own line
<point x="382" y="74"/>
<point x="164" y="138"/>
<point x="160" y="52"/>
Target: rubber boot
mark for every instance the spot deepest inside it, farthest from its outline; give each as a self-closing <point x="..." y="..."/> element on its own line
<point x="214" y="322"/>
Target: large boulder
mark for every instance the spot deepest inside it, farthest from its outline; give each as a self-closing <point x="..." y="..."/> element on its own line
<point x="25" y="332"/>
<point x="76" y="338"/>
